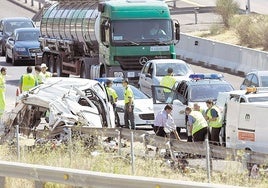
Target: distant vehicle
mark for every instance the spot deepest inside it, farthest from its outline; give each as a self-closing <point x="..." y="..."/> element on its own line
<point x="143" y="105"/>
<point x="256" y="79"/>
<point x="23" y="45"/>
<point x="154" y="70"/>
<point x="7" y="27"/>
<point x="199" y="89"/>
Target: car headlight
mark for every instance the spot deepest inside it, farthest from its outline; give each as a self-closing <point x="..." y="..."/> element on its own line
<point x="118" y="74"/>
<point x="20" y="49"/>
<point x="137" y="110"/>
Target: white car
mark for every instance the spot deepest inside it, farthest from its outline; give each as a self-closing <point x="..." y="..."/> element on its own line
<point x="62" y="102"/>
<point x="255" y="79"/>
<point x="143" y="106"/>
<point x="154" y="70"/>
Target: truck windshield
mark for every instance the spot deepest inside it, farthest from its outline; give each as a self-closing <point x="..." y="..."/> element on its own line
<point x="137" y="32"/>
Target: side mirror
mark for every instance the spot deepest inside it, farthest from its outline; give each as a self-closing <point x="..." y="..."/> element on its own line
<point x="148" y="75"/>
<point x="10" y="39"/>
<point x="177" y="31"/>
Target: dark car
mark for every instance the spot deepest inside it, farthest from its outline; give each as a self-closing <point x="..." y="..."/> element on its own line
<point x="23" y="45"/>
<point x="7" y="27"/>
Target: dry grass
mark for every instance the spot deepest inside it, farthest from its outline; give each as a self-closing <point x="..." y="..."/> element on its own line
<point x="245" y="30"/>
<point x="99" y="159"/>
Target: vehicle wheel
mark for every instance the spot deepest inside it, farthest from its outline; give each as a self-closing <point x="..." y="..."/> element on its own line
<point x="59" y="67"/>
<point x="8" y="59"/>
<point x="3" y="50"/>
<point x="14" y="61"/>
<point x="85" y="70"/>
<point x="51" y="64"/>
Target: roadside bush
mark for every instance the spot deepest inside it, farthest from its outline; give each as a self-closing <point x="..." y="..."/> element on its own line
<point x="252" y="30"/>
<point x="226" y="9"/>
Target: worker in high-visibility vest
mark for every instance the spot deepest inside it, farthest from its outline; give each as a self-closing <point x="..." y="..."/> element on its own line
<point x="197" y="124"/>
<point x="168" y="81"/>
<point x="214" y="119"/>
<point x="44" y="71"/>
<point x="38" y="76"/>
<point x="2" y="90"/>
<point x="27" y="81"/>
<point x="113" y="98"/>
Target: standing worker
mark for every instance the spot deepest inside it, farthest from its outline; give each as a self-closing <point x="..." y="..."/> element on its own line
<point x="27" y="81"/>
<point x="113" y="98"/>
<point x="38" y="76"/>
<point x="3" y="90"/>
<point x="44" y="71"/>
<point x="197" y="124"/>
<point x="129" y="105"/>
<point x="168" y="81"/>
<point x="213" y="117"/>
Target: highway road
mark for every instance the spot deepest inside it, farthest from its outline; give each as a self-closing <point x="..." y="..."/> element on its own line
<point x="8" y="9"/>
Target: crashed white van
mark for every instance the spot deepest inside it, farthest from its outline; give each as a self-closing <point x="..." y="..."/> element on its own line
<point x="62" y="102"/>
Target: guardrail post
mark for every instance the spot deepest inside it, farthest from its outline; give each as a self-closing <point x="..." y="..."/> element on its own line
<point x="119" y="136"/>
<point x="174" y="3"/>
<point x="195" y="14"/>
<point x="70" y="144"/>
<point x="3" y="181"/>
<point x="18" y="144"/>
<point x="208" y="160"/>
<point x="32" y="3"/>
<point x="39" y="6"/>
<point x="38" y="184"/>
<point x="25" y="1"/>
<point x="132" y="151"/>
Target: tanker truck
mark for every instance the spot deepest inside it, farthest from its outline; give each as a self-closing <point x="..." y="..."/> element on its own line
<point x="94" y="39"/>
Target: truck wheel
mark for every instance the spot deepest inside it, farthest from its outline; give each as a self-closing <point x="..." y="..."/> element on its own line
<point x="85" y="70"/>
<point x="59" y="67"/>
<point x="51" y="64"/>
<point x="45" y="58"/>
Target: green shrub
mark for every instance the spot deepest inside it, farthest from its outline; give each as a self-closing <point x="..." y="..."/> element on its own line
<point x="226" y="9"/>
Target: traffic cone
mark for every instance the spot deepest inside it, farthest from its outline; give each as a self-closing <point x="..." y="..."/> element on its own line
<point x="17" y="96"/>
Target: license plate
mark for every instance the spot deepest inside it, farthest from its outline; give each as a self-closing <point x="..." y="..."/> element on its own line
<point x="149" y="122"/>
<point x="131" y="74"/>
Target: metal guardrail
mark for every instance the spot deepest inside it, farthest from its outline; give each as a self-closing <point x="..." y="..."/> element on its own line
<point x="41" y="174"/>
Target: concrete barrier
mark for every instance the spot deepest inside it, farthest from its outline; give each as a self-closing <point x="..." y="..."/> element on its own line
<point x="230" y="58"/>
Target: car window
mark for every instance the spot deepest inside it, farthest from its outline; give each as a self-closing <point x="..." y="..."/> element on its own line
<point x="136" y="92"/>
<point x="258" y="99"/>
<point x="203" y="92"/>
<point x="247" y="81"/>
<point x="254" y="81"/>
<point x="12" y="25"/>
<point x="179" y="69"/>
<point x="28" y="36"/>
<point x="264" y="81"/>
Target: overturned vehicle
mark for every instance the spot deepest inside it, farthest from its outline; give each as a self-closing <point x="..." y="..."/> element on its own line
<point x="58" y="104"/>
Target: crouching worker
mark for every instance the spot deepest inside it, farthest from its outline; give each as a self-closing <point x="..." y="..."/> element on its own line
<point x="197" y="124"/>
<point x="164" y="124"/>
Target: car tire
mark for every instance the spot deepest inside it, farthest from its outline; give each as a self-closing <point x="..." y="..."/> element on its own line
<point x="2" y="50"/>
<point x="14" y="61"/>
<point x="8" y="59"/>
